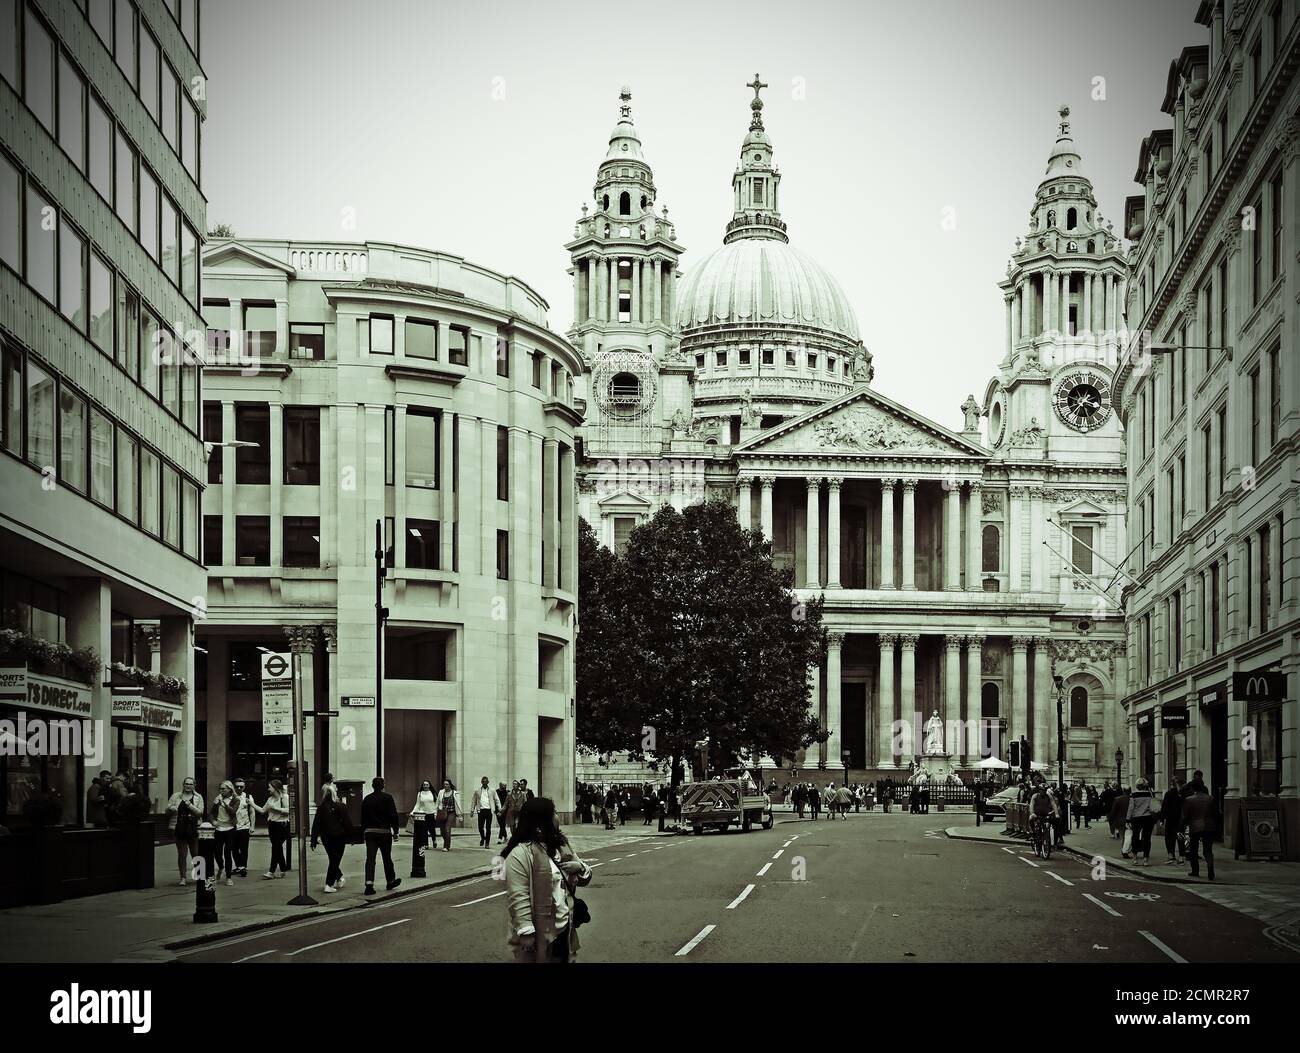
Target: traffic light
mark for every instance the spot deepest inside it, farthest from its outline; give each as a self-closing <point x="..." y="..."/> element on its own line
<point x="1014" y="759"/>
<point x="1024" y="755"/>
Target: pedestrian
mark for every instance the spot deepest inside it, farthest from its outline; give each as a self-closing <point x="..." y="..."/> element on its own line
<point x="1171" y="814"/>
<point x="244" y="822"/>
<point x="1197" y="784"/>
<point x="830" y="801"/>
<point x="523" y="785"/>
<point x="97" y="800"/>
<point x="421" y="816"/>
<point x="542" y="876"/>
<point x="449" y="811"/>
<point x="223" y="822"/>
<point x="481" y="803"/>
<point x="925" y="796"/>
<point x="609" y="808"/>
<point x="1118" y="815"/>
<point x="814" y="800"/>
<point x="800" y="798"/>
<point x="379" y="828"/>
<point x="1198" y="812"/>
<point x="331" y="827"/>
<point x="503" y="795"/>
<point x="184" y="813"/>
<point x="1077" y="803"/>
<point x="276" y="810"/>
<point x="1142" y="820"/>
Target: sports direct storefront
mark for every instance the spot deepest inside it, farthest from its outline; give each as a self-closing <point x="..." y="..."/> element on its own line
<point x="46" y="739"/>
<point x="144" y="736"/>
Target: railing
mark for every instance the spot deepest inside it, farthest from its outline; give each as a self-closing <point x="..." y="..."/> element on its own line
<point x="326" y="260"/>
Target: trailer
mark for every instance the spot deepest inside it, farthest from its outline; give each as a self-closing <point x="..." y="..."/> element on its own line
<point x="726" y="802"/>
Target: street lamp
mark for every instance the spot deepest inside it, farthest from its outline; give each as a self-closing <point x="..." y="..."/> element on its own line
<point x="1119" y="760"/>
<point x="846" y="756"/>
<point x="1060" y="731"/>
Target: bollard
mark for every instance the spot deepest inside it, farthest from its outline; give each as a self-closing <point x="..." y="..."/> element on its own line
<point x="205" y="886"/>
<point x="417" y="846"/>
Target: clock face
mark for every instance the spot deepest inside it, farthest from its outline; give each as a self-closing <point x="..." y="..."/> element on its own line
<point x="1082" y="401"/>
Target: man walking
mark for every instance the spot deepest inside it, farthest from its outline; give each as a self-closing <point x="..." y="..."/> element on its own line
<point x="483" y="801"/>
<point x="1198" y="813"/>
<point x="502" y="796"/>
<point x="379" y="824"/>
<point x="243" y="827"/>
<point x="1171" y="814"/>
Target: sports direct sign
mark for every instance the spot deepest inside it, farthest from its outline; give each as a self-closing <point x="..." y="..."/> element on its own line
<point x="20" y="687"/>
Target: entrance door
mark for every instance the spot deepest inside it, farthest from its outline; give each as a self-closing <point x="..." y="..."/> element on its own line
<point x="853" y="721"/>
<point x="1219" y="760"/>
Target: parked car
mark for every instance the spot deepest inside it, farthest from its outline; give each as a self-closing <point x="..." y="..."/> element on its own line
<point x="995" y="807"/>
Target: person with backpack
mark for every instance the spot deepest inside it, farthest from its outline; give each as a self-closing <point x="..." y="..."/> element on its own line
<point x="184" y="813"/>
<point x="1142" y="819"/>
<point x="332" y="827"/>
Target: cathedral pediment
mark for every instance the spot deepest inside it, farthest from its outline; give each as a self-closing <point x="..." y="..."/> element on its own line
<point x="862" y="422"/>
<point x="234" y="256"/>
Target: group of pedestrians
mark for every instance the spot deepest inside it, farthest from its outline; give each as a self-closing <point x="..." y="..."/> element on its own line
<point x="1189" y="818"/>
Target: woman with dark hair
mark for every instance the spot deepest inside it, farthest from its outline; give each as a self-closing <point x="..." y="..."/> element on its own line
<point x="332" y="826"/>
<point x="542" y="874"/>
<point x="448" y="811"/>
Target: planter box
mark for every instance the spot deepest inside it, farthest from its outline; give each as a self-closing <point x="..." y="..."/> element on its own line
<point x="49" y="864"/>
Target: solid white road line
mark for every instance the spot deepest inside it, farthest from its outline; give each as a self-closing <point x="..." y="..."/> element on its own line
<point x="1029" y="861"/>
<point x="1104" y="906"/>
<point x="485" y="898"/>
<point x="1062" y="880"/>
<point x="741" y="898"/>
<point x="694" y="941"/>
<point x="340" y="939"/>
<point x="1164" y="947"/>
<point x="764" y="869"/>
<point x="252" y="956"/>
<point x="778" y="853"/>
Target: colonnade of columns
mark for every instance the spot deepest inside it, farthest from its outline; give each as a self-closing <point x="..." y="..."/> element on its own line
<point x="954" y="558"/>
<point x="896" y="693"/>
<point x="652" y="289"/>
<point x="1098" y="304"/>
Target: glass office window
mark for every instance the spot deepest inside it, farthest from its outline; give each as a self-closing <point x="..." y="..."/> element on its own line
<point x="9" y="42"/>
<point x="128" y="329"/>
<point x="302" y="445"/>
<point x="11" y="214"/>
<point x="72" y="440"/>
<point x="40" y="417"/>
<point x="171" y="505"/>
<point x="190" y="519"/>
<point x="252" y="541"/>
<point x="171" y="253"/>
<point x="149" y="212"/>
<point x="101" y="17"/>
<point x="170" y="91"/>
<point x="190" y="377"/>
<point x="128" y="476"/>
<point x="42" y="222"/>
<point x="11" y="412"/>
<point x="72" y="275"/>
<point x="149" y="72"/>
<point x="150" y="352"/>
<point x="101" y="303"/>
<point x="189" y="264"/>
<point x="301" y="538"/>
<point x="72" y="111"/>
<point x="421" y="339"/>
<point x="101" y="458"/>
<point x="253" y="424"/>
<point x="38" y="70"/>
<point x="150" y="497"/>
<point x="307" y="341"/>
<point x="100" y="140"/>
<point x="381" y="334"/>
<point x="124" y="39"/>
<point x="422" y="449"/>
<point x="124" y="181"/>
<point x="190" y="137"/>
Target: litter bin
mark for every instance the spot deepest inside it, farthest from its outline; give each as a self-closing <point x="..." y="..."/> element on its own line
<point x="350" y="795"/>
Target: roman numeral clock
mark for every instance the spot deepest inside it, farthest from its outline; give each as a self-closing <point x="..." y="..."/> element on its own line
<point x="1082" y="400"/>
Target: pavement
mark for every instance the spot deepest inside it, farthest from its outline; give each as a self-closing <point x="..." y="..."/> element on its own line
<point x="874" y="888"/>
<point x="150" y="924"/>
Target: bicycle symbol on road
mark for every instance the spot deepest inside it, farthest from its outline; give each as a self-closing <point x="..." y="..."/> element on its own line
<point x="1134" y="895"/>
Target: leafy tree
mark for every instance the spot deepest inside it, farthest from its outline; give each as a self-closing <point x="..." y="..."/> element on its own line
<point x="222" y="230"/>
<point x="693" y="633"/>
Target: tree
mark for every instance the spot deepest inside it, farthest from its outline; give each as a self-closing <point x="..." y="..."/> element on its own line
<point x="222" y="230"/>
<point x="694" y="634"/>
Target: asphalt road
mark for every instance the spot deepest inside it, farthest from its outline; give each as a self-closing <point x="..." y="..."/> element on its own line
<point x="874" y="888"/>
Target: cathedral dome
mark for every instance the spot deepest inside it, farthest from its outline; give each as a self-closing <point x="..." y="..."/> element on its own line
<point x="764" y="282"/>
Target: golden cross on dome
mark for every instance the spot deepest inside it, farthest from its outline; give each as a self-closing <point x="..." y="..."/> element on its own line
<point x="1064" y="111"/>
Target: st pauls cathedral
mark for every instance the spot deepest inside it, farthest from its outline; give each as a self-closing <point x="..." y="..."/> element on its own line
<point x="967" y="564"/>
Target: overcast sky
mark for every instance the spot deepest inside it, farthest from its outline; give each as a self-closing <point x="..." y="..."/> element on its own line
<point x="476" y="128"/>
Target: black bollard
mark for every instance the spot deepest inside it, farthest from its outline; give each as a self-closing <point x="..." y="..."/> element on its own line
<point x="205" y="886"/>
<point x="417" y="848"/>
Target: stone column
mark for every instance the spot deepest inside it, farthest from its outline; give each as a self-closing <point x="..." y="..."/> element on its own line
<point x="1015" y="507"/>
<point x="833" y="485"/>
<point x="1065" y="302"/>
<point x="907" y="687"/>
<point x="276" y="415"/>
<point x="151" y="633"/>
<point x="578" y="282"/>
<point x="1044" y="703"/>
<point x="612" y="290"/>
<point x="89" y="612"/>
<point x="1019" y="688"/>
<point x="1049" y="301"/>
<point x="952" y="535"/>
<point x="551" y="504"/>
<point x="1087" y="303"/>
<point x="446" y="493"/>
<point x="1011" y="323"/>
<point x="1026" y="309"/>
<point x="302" y="647"/>
<point x="281" y="331"/>
<point x="909" y="533"/>
<point x="671" y="274"/>
<point x="593" y="297"/>
<point x="887" y="533"/>
<point x="815" y="707"/>
<point x="765" y="506"/>
<point x="834" y="744"/>
<point x="952" y="694"/>
<point x="974" y="700"/>
<point x="330" y="633"/>
<point x="657" y="267"/>
<point x="813" y="574"/>
<point x="177" y="660"/>
<point x="974" y="540"/>
<point x="635" y="313"/>
<point x="1036" y="547"/>
<point x="885" y="703"/>
<point x="745" y="506"/>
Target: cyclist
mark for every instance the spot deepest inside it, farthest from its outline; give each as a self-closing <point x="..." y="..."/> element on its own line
<point x="1043" y="807"/>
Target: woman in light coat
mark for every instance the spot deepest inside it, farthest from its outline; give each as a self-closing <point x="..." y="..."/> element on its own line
<point x="422" y="814"/>
<point x="186" y="805"/>
<point x="542" y="876"/>
<point x="1142" y="818"/>
<point x="448" y="811"/>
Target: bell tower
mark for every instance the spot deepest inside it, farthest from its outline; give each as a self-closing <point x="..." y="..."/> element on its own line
<point x="624" y="257"/>
<point x="756" y="182"/>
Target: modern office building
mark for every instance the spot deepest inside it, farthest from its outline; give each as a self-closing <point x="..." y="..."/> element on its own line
<point x="101" y="218"/>
<point x="381" y="384"/>
<point x="1210" y="395"/>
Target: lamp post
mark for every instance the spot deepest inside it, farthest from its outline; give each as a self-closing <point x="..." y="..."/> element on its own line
<point x="1060" y="731"/>
<point x="846" y="756"/>
<point x="1119" y="760"/>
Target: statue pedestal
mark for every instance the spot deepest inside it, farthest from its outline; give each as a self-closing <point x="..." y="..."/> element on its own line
<point x="937" y="767"/>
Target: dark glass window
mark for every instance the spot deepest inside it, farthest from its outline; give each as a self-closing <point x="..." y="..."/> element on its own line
<point x="212" y="426"/>
<point x="458" y="345"/>
<point x="11" y="411"/>
<point x="422" y="543"/>
<point x="537" y="371"/>
<point x="415" y="654"/>
<point x="150" y="492"/>
<point x="72" y="111"/>
<point x="124" y="181"/>
<point x="307" y="341"/>
<point x="38" y="70"/>
<point x="503" y="356"/>
<point x="253" y="424"/>
<point x="41" y="227"/>
<point x="9" y="41"/>
<point x="991" y="555"/>
<point x="40" y="417"/>
<point x="72" y="275"/>
<point x="101" y="149"/>
<point x="301" y="541"/>
<point x="503" y="464"/>
<point x="73" y="424"/>
<point x="212" y="537"/>
<point x="1079" y="707"/>
<point x="101" y="303"/>
<point x="253" y="541"/>
<point x="423" y="448"/>
<point x="128" y="476"/>
<point x="11" y="209"/>
<point x="503" y="554"/>
<point x="421" y="339"/>
<point x="302" y="445"/>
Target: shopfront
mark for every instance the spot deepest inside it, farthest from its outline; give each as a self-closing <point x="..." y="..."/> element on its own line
<point x="1173" y="727"/>
<point x="1146" y="732"/>
<point x="46" y="738"/>
<point x="1212" y="755"/>
<point x="144" y="737"/>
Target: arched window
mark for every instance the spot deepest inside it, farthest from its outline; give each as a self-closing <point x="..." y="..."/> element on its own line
<point x="604" y="202"/>
<point x="991" y="560"/>
<point x="625" y="387"/>
<point x="644" y="202"/>
<point x="1079" y="707"/>
<point x="1071" y="218"/>
<point x="625" y="204"/>
<point x="989" y="700"/>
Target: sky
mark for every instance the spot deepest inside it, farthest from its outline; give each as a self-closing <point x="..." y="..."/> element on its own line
<point x="910" y="136"/>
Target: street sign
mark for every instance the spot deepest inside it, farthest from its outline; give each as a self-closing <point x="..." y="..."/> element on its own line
<point x="277" y="694"/>
<point x="1259" y="687"/>
<point x="1174" y="717"/>
<point x="363" y="701"/>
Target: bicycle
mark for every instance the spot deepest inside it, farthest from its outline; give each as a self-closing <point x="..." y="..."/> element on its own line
<point x="1041" y="834"/>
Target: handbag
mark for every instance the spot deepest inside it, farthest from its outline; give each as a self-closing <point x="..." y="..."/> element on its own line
<point x="1128" y="840"/>
<point x="581" y="914"/>
<point x="187" y="827"/>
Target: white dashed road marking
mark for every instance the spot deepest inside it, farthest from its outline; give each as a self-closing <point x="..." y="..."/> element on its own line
<point x="741" y="898"/>
<point x="494" y="895"/>
<point x="778" y="853"/>
<point x="1062" y="880"/>
<point x="351" y="935"/>
<point x="1164" y="947"/>
<point x="764" y="869"/>
<point x="252" y="956"/>
<point x="694" y="941"/>
<point x="1104" y="906"/>
<point x="1029" y="861"/>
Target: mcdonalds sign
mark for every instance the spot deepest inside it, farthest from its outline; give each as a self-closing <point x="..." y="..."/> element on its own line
<point x="1259" y="687"/>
